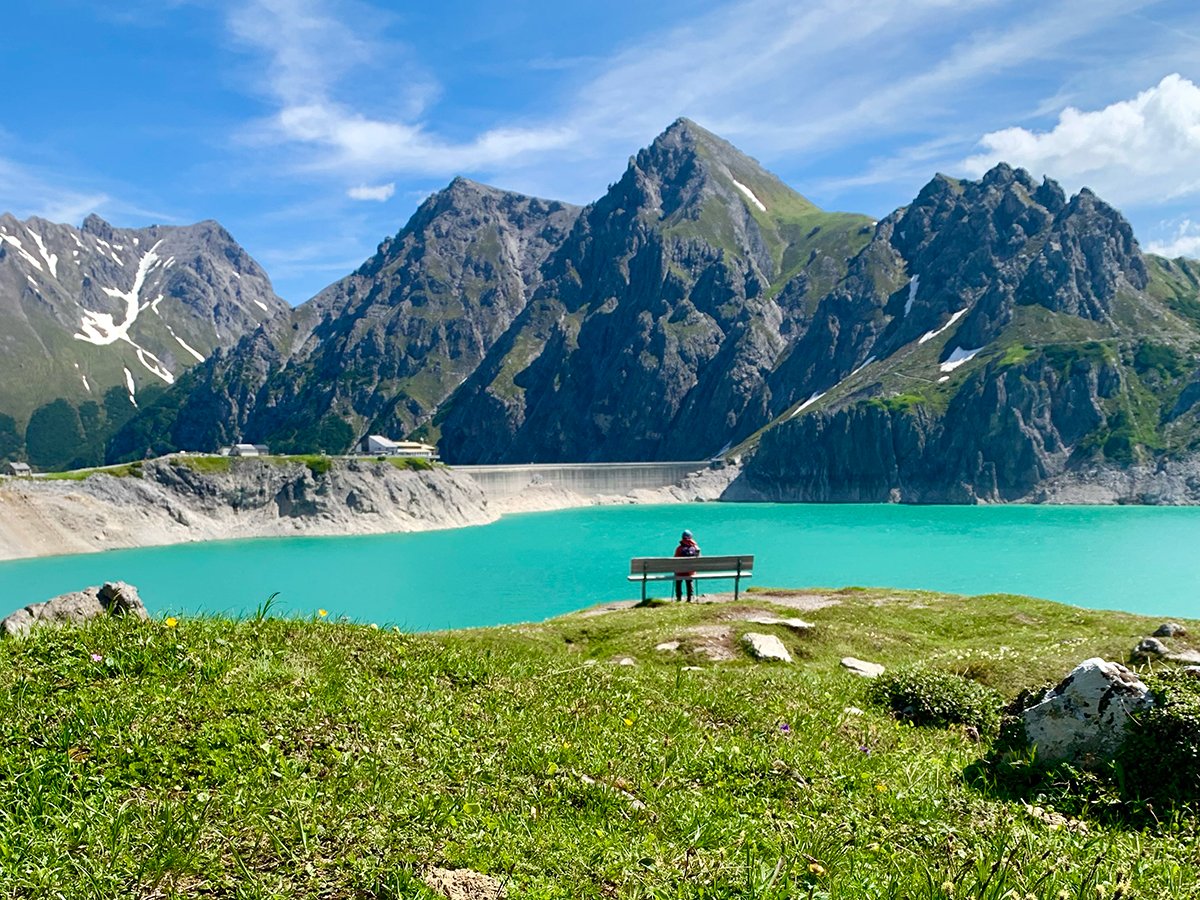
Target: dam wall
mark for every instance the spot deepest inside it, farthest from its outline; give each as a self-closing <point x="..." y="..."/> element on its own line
<point x="586" y="479"/>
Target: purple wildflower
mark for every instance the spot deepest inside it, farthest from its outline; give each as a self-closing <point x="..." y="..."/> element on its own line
<point x="96" y="657"/>
<point x="865" y="749"/>
<point x="785" y="728"/>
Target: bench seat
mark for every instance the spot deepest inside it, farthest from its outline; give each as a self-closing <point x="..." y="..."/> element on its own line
<point x="669" y="568"/>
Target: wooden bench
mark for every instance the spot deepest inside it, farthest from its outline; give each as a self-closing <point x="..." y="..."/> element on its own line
<point x="667" y="568"/>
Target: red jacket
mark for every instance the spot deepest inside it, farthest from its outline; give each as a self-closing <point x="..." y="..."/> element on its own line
<point x="687" y="547"/>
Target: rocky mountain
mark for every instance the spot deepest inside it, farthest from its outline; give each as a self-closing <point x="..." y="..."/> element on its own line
<point x="93" y="318"/>
<point x="380" y="350"/>
<point x="1001" y="337"/>
<point x="976" y="345"/>
<point x="661" y="317"/>
<point x="511" y="328"/>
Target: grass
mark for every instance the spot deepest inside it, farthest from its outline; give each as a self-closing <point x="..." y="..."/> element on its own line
<point x="273" y="758"/>
<point x="125" y="470"/>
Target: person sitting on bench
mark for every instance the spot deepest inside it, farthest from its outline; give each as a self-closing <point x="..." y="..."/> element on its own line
<point x="687" y="548"/>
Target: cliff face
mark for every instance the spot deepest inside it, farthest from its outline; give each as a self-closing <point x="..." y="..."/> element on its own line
<point x="1006" y="430"/>
<point x="171" y="503"/>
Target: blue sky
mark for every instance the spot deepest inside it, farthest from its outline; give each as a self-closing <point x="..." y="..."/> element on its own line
<point x="312" y="128"/>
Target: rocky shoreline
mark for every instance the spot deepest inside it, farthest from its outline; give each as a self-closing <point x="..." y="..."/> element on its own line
<point x="175" y="502"/>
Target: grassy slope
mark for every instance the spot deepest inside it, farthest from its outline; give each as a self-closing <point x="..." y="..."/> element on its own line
<point x="313" y="759"/>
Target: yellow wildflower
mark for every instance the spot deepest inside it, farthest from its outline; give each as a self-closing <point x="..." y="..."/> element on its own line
<point x="816" y="869"/>
<point x="322" y="613"/>
<point x="171" y="622"/>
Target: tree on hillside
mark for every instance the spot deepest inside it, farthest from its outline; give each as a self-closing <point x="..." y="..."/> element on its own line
<point x="10" y="438"/>
<point x="54" y="435"/>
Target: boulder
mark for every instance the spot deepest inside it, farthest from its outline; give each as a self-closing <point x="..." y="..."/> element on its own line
<point x="114" y="598"/>
<point x="1187" y="657"/>
<point x="667" y="646"/>
<point x="1084" y="717"/>
<point x="1170" y="629"/>
<point x="1149" y="648"/>
<point x="766" y="646"/>
<point x="862" y="668"/>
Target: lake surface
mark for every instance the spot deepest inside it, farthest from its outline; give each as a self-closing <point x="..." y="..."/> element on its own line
<point x="532" y="566"/>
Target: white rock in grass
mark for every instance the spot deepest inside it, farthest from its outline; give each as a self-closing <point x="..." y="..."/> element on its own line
<point x="667" y="646"/>
<point x="862" y="667"/>
<point x="766" y="646"/>
<point x="794" y="624"/>
<point x="1084" y="717"/>
<point x="627" y="661"/>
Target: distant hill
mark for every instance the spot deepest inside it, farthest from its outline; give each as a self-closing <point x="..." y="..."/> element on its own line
<point x="97" y="320"/>
<point x="989" y="336"/>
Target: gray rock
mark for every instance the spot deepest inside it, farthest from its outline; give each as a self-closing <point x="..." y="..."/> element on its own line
<point x="1193" y="671"/>
<point x="1084" y="717"/>
<point x="114" y="598"/>
<point x="862" y="667"/>
<point x="766" y="646"/>
<point x="1149" y="648"/>
<point x="1188" y="657"/>
<point x="1170" y="629"/>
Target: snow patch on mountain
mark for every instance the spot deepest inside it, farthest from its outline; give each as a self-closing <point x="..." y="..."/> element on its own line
<point x="24" y="254"/>
<point x="130" y="386"/>
<point x="912" y="293"/>
<point x="749" y="194"/>
<point x="958" y="357"/>
<point x="182" y="342"/>
<point x="50" y="258"/>
<point x="930" y="335"/>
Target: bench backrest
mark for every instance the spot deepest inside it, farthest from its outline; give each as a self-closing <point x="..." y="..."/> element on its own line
<point x="656" y="565"/>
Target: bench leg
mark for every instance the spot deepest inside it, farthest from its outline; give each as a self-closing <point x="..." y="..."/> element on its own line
<point x="643" y="590"/>
<point x="737" y="583"/>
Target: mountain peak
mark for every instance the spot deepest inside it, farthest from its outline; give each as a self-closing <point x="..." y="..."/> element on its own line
<point x="687" y="167"/>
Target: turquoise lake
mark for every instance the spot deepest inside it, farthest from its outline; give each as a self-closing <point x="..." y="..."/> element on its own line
<point x="532" y="566"/>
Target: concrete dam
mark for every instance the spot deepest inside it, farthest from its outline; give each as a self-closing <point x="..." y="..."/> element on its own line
<point x="588" y="479"/>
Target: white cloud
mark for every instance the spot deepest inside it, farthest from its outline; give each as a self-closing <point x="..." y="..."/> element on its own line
<point x="380" y="192"/>
<point x="1140" y="151"/>
<point x="310" y="51"/>
<point x="25" y="191"/>
<point x="791" y="77"/>
<point x="1185" y="242"/>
